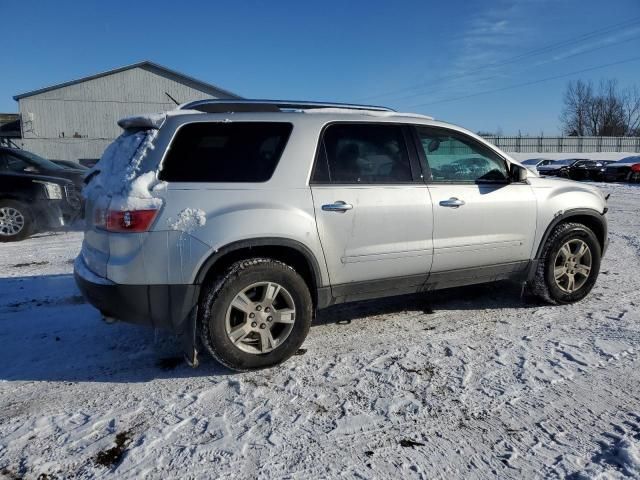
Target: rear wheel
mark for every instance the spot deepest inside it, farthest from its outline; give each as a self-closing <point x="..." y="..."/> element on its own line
<point x="16" y="222"/>
<point x="256" y="316"/>
<point x="569" y="264"/>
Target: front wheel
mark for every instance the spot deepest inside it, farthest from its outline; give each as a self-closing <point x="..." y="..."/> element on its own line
<point x="569" y="265"/>
<point x="256" y="316"/>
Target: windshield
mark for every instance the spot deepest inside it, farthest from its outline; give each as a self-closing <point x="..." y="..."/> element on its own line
<point x="39" y="161"/>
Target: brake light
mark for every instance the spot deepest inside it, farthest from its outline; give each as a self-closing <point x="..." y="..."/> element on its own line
<point x="635" y="167"/>
<point x="134" y="221"/>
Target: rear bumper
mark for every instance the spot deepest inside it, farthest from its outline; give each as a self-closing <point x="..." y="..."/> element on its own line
<point x="158" y="306"/>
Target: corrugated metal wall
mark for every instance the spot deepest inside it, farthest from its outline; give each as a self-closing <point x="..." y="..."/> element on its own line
<point x="79" y="121"/>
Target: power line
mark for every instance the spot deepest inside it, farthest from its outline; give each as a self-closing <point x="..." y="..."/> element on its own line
<point x="555" y="77"/>
<point x="413" y="95"/>
<point x="516" y="58"/>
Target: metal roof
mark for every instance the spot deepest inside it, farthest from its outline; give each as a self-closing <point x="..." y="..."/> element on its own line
<point x="147" y="65"/>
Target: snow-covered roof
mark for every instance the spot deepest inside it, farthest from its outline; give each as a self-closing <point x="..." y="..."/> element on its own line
<point x="370" y="113"/>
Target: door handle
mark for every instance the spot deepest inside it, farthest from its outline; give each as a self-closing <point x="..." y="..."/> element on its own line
<point x="453" y="202"/>
<point x="338" y="206"/>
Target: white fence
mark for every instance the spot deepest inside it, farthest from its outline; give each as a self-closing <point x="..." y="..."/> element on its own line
<point x="566" y="144"/>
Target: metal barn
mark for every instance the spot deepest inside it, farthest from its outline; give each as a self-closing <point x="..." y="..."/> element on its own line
<point x="77" y="119"/>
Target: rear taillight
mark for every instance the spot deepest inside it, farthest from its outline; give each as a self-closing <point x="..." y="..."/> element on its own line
<point x="635" y="168"/>
<point x="133" y="221"/>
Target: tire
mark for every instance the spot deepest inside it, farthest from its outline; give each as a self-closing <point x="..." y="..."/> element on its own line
<point x="553" y="261"/>
<point x="220" y="319"/>
<point x="16" y="221"/>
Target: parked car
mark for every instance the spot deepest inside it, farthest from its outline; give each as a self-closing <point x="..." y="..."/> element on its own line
<point x="554" y="167"/>
<point x="236" y="228"/>
<point x="70" y="164"/>
<point x="584" y="170"/>
<point x="21" y="161"/>
<point x="551" y="167"/>
<point x="532" y="163"/>
<point x="625" y="170"/>
<point x="30" y="203"/>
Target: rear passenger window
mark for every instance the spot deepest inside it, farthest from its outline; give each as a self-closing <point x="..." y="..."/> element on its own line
<point x="225" y="152"/>
<point x="363" y="154"/>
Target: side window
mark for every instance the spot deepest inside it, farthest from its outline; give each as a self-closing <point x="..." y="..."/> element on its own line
<point x="225" y="152"/>
<point x="453" y="157"/>
<point x="363" y="154"/>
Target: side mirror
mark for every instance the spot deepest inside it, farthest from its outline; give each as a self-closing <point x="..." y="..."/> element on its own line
<point x="517" y="173"/>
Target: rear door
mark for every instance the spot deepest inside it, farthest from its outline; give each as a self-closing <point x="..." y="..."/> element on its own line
<point x="373" y="211"/>
<point x="481" y="219"/>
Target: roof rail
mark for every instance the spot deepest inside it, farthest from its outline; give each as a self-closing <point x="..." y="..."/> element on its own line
<point x="246" y="105"/>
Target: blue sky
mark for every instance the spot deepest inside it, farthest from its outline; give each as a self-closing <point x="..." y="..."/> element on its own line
<point x="417" y="56"/>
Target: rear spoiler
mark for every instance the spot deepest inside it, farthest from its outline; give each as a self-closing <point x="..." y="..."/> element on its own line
<point x="153" y="121"/>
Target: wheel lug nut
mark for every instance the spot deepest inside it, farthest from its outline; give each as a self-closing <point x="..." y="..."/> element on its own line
<point x="263" y="325"/>
<point x="259" y="307"/>
<point x="251" y="315"/>
<point x="267" y="309"/>
<point x="269" y="319"/>
<point x="254" y="324"/>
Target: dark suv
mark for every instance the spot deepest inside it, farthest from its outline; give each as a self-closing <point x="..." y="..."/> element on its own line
<point x="30" y="203"/>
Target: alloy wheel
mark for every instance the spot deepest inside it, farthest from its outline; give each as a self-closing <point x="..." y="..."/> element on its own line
<point x="11" y="221"/>
<point x="260" y="317"/>
<point x="572" y="265"/>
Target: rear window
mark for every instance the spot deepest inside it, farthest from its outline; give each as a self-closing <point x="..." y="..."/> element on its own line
<point x="225" y="152"/>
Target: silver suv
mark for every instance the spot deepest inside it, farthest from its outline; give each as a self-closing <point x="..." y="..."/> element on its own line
<point x="234" y="221"/>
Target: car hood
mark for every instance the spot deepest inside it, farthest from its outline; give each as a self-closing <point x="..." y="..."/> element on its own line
<point x="76" y="176"/>
<point x="37" y="176"/>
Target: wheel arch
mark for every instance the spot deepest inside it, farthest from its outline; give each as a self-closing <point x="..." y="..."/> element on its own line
<point x="291" y="252"/>
<point x="585" y="216"/>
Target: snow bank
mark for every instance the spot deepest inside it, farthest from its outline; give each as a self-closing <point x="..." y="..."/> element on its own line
<point x="123" y="174"/>
<point x="188" y="220"/>
<point x="629" y="453"/>
<point x="519" y="156"/>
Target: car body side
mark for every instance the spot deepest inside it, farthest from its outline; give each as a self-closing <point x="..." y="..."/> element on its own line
<point x="277" y="216"/>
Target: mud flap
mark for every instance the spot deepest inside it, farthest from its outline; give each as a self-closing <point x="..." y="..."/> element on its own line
<point x="189" y="338"/>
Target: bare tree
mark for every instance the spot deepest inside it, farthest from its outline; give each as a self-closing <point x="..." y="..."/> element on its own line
<point x="577" y="102"/>
<point x="631" y="105"/>
<point x="608" y="112"/>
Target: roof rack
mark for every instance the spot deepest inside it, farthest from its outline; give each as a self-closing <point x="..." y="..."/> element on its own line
<point x="246" y="105"/>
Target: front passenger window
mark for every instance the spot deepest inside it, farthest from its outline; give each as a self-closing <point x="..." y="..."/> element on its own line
<point x="452" y="157"/>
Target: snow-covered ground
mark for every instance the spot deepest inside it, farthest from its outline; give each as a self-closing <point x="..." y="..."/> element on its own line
<point x="561" y="156"/>
<point x="467" y="383"/>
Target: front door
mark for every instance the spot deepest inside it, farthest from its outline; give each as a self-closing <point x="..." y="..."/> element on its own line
<point x="372" y="209"/>
<point x="480" y="217"/>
